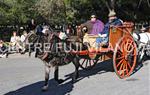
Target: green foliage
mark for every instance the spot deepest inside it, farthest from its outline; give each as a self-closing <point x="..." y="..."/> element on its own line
<point x="52" y="11"/>
<point x="14" y="12"/>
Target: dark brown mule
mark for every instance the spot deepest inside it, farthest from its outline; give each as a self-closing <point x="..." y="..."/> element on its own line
<point x="52" y="58"/>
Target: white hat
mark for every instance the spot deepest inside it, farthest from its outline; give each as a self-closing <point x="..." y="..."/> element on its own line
<point x="21" y="27"/>
<point x="112" y="13"/>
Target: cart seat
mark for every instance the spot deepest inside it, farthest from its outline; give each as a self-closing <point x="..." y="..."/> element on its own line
<point x="90" y="39"/>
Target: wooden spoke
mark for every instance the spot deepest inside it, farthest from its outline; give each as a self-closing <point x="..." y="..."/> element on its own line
<point x="125" y="63"/>
<point x="120" y="63"/>
<point x="87" y="64"/>
<point x="83" y="61"/>
<point x="120" y="58"/>
<point x="128" y="64"/>
<point x="127" y="72"/>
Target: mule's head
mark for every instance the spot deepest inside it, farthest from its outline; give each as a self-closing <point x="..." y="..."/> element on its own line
<point x="34" y="42"/>
<point x="30" y="40"/>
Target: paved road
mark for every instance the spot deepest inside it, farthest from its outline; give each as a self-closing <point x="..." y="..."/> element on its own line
<point x="21" y="75"/>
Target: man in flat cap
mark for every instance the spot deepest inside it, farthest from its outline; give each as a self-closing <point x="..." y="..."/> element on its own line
<point x="103" y="38"/>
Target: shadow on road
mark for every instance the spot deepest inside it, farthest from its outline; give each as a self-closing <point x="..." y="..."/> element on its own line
<point x="35" y="89"/>
<point x="63" y="89"/>
<point x="139" y="65"/>
<point x="67" y="87"/>
<point x="100" y="68"/>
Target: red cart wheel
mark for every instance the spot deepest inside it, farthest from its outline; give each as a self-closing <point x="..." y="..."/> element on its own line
<point x="125" y="56"/>
<point x="87" y="63"/>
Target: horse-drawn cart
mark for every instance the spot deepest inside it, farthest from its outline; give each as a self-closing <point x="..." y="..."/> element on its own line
<point x="122" y="48"/>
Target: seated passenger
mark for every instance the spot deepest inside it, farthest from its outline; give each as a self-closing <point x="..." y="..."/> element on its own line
<point x="92" y="27"/>
<point x="103" y="38"/>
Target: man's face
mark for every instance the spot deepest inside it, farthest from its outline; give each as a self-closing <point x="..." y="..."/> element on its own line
<point x="112" y="18"/>
<point x="93" y="19"/>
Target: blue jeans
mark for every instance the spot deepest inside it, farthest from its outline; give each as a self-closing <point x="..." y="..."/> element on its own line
<point x="101" y="40"/>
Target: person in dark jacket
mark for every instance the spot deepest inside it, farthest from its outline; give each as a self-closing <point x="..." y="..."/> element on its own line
<point x="39" y="30"/>
<point x="32" y="25"/>
<point x="104" y="35"/>
<point x="3" y="49"/>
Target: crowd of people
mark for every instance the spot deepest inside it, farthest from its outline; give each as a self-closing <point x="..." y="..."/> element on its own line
<point x="17" y="40"/>
<point x="94" y="26"/>
<point x="16" y="44"/>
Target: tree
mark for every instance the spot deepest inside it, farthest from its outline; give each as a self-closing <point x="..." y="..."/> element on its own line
<point x="3" y="10"/>
<point x="53" y="11"/>
<point x="66" y="11"/>
<point x="16" y="12"/>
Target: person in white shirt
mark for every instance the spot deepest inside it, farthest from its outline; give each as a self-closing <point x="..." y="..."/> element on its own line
<point x="143" y="36"/>
<point x="14" y="39"/>
<point x="23" y="36"/>
<point x="16" y="42"/>
<point x="45" y="29"/>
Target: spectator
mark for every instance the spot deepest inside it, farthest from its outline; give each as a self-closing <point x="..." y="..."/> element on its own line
<point x="23" y="36"/>
<point x="32" y="25"/>
<point x="16" y="42"/>
<point x="3" y="49"/>
<point x="45" y="30"/>
<point x="39" y="29"/>
<point x="69" y="30"/>
<point x="143" y="36"/>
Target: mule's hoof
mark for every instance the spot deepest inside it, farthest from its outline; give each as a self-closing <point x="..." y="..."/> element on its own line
<point x="60" y="81"/>
<point x="74" y="80"/>
<point x="45" y="88"/>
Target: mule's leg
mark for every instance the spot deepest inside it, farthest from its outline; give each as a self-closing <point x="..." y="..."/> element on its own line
<point x="47" y="71"/>
<point x="56" y="75"/>
<point x="36" y="53"/>
<point x="29" y="54"/>
<point x="76" y="73"/>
